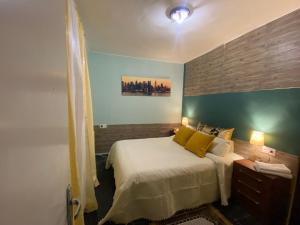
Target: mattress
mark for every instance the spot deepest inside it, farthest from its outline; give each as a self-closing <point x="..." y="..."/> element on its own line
<point x="156" y="177"/>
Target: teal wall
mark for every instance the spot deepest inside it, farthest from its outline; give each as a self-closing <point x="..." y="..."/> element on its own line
<point x="111" y="107"/>
<point x="275" y="112"/>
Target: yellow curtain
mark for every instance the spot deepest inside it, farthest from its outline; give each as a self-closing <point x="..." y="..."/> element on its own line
<point x="92" y="180"/>
<point x="80" y="116"/>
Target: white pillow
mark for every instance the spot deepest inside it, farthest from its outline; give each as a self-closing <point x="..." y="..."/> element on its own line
<point x="221" y="147"/>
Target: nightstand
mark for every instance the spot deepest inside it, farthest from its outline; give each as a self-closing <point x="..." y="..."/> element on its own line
<point x="173" y="131"/>
<point x="264" y="196"/>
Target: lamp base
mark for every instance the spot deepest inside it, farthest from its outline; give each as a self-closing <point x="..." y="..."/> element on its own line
<point x="253" y="157"/>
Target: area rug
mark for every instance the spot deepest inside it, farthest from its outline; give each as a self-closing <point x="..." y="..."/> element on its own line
<point x="197" y="221"/>
<point x="204" y="215"/>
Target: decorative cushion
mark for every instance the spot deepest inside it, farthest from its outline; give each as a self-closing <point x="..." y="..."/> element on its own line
<point x="207" y="129"/>
<point x="219" y="132"/>
<point x="226" y="133"/>
<point x="183" y="135"/>
<point x="200" y="126"/>
<point x="199" y="143"/>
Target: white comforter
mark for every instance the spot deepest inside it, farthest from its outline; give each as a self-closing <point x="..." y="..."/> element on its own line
<point x="156" y="177"/>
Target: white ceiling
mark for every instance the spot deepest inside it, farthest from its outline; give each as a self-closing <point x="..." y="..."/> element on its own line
<point x="140" y="28"/>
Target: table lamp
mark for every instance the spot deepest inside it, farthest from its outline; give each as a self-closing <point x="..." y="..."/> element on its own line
<point x="185" y="121"/>
<point x="257" y="139"/>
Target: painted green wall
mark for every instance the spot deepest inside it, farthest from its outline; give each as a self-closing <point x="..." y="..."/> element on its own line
<point x="111" y="107"/>
<point x="275" y="112"/>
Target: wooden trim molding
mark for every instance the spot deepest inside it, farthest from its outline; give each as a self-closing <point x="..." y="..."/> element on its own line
<point x="247" y="150"/>
<point x="104" y="138"/>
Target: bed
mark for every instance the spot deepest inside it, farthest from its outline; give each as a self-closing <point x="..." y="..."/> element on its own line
<point x="157" y="177"/>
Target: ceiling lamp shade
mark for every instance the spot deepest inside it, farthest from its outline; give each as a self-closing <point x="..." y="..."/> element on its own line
<point x="179" y="13"/>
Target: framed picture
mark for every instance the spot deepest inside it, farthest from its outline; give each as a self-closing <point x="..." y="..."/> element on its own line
<point x="145" y="86"/>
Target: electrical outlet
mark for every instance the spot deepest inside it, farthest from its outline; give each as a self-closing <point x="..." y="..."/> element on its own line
<point x="269" y="151"/>
<point x="102" y="126"/>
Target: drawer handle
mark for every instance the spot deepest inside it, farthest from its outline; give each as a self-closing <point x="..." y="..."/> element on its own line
<point x="248" y="186"/>
<point x="249" y="198"/>
<point x="255" y="178"/>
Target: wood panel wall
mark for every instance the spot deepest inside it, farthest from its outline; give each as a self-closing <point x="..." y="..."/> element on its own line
<point x="104" y="138"/>
<point x="266" y="58"/>
<point x="247" y="150"/>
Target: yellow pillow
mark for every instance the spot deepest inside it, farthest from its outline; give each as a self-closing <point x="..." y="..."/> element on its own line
<point x="183" y="135"/>
<point x="199" y="143"/>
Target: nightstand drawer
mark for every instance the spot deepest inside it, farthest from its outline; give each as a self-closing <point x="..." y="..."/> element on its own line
<point x="240" y="182"/>
<point x="251" y="179"/>
<point x="253" y="205"/>
<point x="244" y="188"/>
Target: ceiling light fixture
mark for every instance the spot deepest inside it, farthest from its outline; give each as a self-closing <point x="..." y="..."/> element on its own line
<point x="180" y="13"/>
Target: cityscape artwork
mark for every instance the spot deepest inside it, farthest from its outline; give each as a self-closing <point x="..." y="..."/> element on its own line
<point x="145" y="86"/>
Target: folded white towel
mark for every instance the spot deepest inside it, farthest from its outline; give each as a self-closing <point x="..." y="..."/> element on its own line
<point x="278" y="168"/>
<point x="285" y="175"/>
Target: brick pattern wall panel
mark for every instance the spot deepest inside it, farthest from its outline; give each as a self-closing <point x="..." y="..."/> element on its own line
<point x="266" y="58"/>
<point x="245" y="62"/>
<point x="283" y="61"/>
<point x="104" y="138"/>
<point x="203" y="71"/>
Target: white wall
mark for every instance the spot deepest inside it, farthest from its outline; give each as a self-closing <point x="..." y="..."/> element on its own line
<point x="111" y="107"/>
<point x="33" y="114"/>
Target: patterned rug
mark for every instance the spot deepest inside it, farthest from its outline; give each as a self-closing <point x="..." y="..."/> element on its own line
<point x="204" y="215"/>
<point x="197" y="221"/>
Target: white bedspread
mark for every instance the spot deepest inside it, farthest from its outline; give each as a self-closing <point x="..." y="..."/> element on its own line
<point x="156" y="177"/>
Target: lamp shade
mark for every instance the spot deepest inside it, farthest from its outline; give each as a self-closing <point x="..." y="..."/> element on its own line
<point x="257" y="138"/>
<point x="185" y="121"/>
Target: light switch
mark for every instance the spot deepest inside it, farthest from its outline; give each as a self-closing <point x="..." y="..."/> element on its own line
<point x="269" y="151"/>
